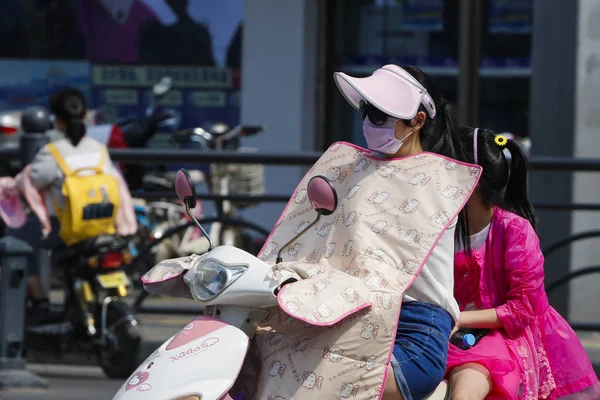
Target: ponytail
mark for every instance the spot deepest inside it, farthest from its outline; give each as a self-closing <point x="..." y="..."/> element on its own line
<point x="516" y="199"/>
<point x="441" y="136"/>
<point x="75" y="131"/>
<point x="450" y="116"/>
<point x="444" y="132"/>
<point x="69" y="106"/>
<point x="438" y="135"/>
<point x="449" y="139"/>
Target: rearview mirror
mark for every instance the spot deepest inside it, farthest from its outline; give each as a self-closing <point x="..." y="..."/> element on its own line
<point x="323" y="198"/>
<point x="218" y="128"/>
<point x="249" y="130"/>
<point x="185" y="189"/>
<point x="186" y="193"/>
<point x="322" y="195"/>
<point x="163" y="86"/>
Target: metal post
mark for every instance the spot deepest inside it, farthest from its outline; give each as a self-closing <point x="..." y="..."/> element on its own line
<point x="35" y="123"/>
<point x="15" y="256"/>
<point x="470" y="29"/>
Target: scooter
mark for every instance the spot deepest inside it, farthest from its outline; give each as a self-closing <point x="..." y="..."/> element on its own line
<point x="233" y="285"/>
<point x="96" y="321"/>
<point x="203" y="360"/>
<point x="137" y="132"/>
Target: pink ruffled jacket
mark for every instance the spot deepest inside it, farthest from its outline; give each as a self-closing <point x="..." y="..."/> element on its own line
<point x="13" y="212"/>
<point x="553" y="362"/>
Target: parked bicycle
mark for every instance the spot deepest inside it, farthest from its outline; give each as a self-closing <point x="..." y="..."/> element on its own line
<point x="154" y="218"/>
<point x="226" y="179"/>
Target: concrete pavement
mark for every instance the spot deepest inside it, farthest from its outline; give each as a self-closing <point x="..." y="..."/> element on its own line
<point x="67" y="383"/>
<point x="82" y="379"/>
<point x="86" y="381"/>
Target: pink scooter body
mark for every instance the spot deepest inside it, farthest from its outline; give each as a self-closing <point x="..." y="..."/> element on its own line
<point x="203" y="359"/>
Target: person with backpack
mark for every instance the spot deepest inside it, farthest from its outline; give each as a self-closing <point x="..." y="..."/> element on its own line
<point x="79" y="187"/>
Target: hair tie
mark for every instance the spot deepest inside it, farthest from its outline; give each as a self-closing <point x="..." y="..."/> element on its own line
<point x="508" y="158"/>
<point x="475" y="145"/>
<point x="500" y="140"/>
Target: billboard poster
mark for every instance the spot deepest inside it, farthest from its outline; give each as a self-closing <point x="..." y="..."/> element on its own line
<point x="200" y="95"/>
<point x="25" y="83"/>
<point x="196" y="43"/>
<point x="161" y="32"/>
<point x="510" y="16"/>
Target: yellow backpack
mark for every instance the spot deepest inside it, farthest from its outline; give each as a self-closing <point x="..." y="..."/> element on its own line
<point x="91" y="201"/>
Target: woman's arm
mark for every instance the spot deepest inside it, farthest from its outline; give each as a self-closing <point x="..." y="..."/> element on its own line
<point x="44" y="169"/>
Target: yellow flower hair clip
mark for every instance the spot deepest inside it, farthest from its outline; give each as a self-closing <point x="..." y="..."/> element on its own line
<point x="500" y="140"/>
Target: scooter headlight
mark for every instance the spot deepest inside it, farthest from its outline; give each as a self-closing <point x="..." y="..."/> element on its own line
<point x="212" y="277"/>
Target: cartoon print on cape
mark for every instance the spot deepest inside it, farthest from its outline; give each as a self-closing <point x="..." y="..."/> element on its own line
<point x="332" y="334"/>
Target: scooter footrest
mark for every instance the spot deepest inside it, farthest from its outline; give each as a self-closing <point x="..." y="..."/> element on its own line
<point x="57" y="329"/>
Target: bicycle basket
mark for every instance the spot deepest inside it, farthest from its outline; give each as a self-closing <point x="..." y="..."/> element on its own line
<point x="244" y="179"/>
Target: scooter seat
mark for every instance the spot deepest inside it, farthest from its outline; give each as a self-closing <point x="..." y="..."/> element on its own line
<point x="153" y="182"/>
<point x="97" y="245"/>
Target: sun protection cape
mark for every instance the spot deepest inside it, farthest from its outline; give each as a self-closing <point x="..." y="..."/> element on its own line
<point x="333" y="334"/>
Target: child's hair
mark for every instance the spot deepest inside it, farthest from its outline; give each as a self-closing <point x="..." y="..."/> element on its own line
<point x="69" y="105"/>
<point x="500" y="185"/>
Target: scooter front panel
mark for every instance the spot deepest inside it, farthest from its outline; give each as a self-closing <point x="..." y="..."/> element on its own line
<point x="203" y="358"/>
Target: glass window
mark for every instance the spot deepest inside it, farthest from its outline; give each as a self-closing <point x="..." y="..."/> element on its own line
<point x="425" y="33"/>
<point x="505" y="65"/>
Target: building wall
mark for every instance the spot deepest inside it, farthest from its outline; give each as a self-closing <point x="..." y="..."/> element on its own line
<point x="279" y="88"/>
<point x="564" y="122"/>
<point x="552" y="125"/>
<point x="585" y="296"/>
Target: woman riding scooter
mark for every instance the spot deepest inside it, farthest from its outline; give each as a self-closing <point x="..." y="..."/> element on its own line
<point x="410" y="200"/>
<point x="46" y="174"/>
<point x="357" y="303"/>
<point x="429" y="310"/>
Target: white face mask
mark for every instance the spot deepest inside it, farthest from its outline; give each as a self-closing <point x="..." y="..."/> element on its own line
<point x="381" y="137"/>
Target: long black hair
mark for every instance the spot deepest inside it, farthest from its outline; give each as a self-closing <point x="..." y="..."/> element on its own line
<point x="69" y="105"/>
<point x="500" y="185"/>
<point x="438" y="135"/>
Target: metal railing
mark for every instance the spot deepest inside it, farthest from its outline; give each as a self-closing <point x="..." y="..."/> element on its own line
<point x="308" y="159"/>
<point x="292" y="159"/>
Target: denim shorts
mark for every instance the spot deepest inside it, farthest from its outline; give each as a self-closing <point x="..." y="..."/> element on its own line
<point x="421" y="349"/>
